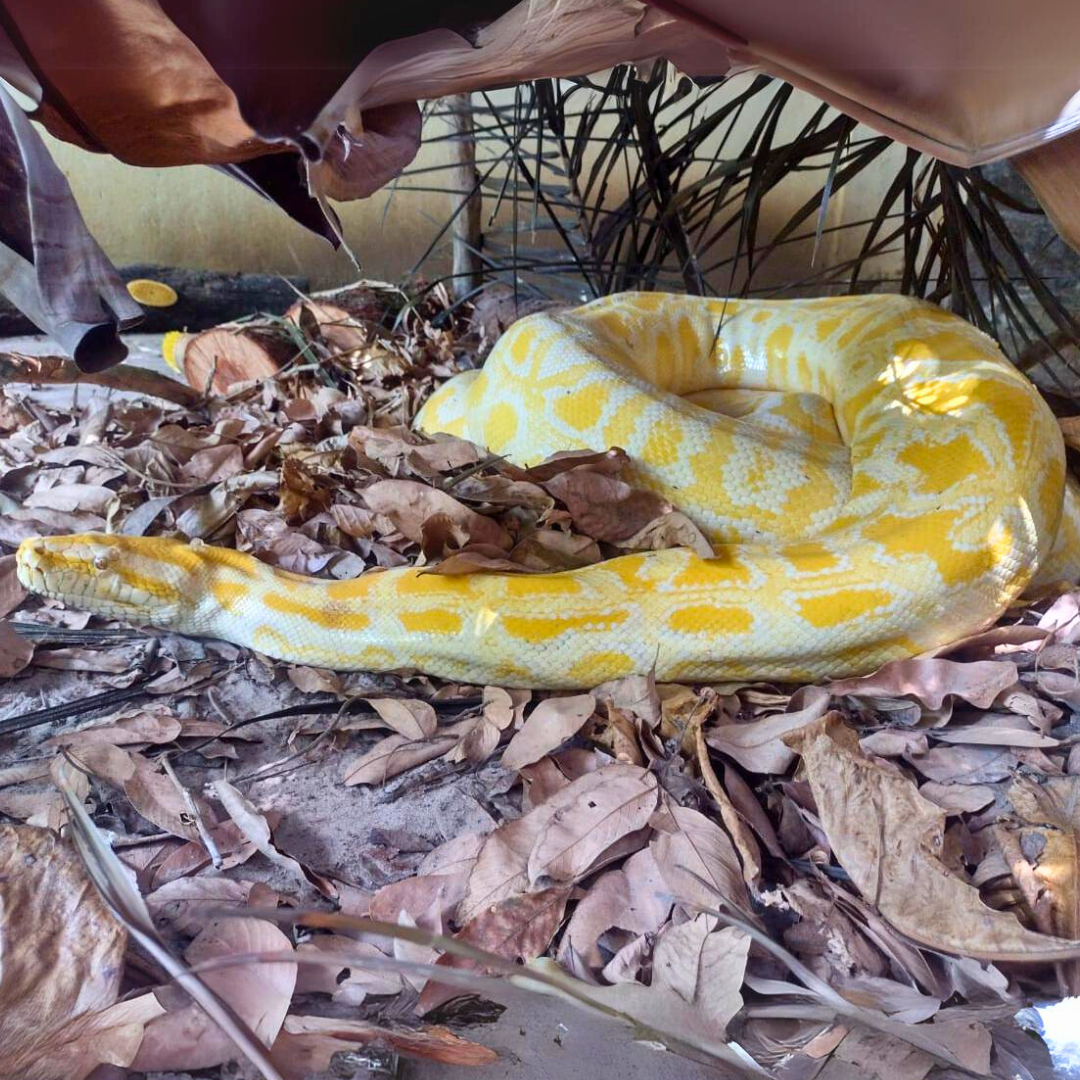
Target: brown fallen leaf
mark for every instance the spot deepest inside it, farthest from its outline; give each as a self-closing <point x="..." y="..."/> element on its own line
<point x="549" y="725"/>
<point x="393" y="755"/>
<point x="307" y="1044"/>
<point x="587" y="817"/>
<point x="931" y="681"/>
<point x="15" y="651"/>
<point x="62" y="949"/>
<point x="109" y="1036"/>
<point x="694" y="853"/>
<point x="68" y="498"/>
<point x="408" y="504"/>
<point x="155" y="724"/>
<point x="1048" y="840"/>
<point x="259" y="993"/>
<point x="184" y="904"/>
<point x="697" y="975"/>
<point x="418" y="895"/>
<point x="12" y="594"/>
<point x="890" y="840"/>
<point x="634" y="898"/>
<point x="958" y="798"/>
<point x="456" y="856"/>
<point x="501" y="868"/>
<point x="518" y="929"/>
<point x="411" y="718"/>
<point x="758" y="745"/>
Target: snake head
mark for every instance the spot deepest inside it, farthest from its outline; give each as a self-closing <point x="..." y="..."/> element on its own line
<point x="137" y="580"/>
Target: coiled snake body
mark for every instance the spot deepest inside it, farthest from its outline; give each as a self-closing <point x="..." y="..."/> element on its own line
<point x="876" y="478"/>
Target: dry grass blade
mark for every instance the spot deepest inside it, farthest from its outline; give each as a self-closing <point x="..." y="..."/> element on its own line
<point x="111" y="880"/>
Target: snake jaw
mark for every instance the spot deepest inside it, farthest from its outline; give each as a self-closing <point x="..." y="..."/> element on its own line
<point x="96" y="573"/>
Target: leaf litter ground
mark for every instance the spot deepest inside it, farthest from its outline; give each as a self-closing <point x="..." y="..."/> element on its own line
<point x="843" y="880"/>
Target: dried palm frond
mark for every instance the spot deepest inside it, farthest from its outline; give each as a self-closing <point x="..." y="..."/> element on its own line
<point x="644" y="181"/>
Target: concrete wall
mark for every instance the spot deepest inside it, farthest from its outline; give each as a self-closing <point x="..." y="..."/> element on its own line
<point x="196" y="217"/>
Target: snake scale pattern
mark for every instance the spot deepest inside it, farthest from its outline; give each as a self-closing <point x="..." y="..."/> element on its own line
<point x="876" y="478"/>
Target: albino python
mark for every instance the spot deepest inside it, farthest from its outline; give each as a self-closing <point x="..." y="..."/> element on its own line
<point x="876" y="478"/>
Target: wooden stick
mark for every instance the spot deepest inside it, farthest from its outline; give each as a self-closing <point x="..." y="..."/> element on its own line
<point x="466" y="201"/>
<point x="56" y="370"/>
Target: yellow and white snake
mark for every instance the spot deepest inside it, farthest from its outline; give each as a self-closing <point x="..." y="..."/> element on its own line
<point x="876" y="478"/>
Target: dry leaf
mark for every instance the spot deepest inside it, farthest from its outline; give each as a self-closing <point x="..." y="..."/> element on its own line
<point x="689" y="847"/>
<point x="634" y="898"/>
<point x="110" y="1036"/>
<point x="412" y="718"/>
<point x="549" y="725"/>
<point x="344" y="974"/>
<point x="393" y="755"/>
<point x="758" y="745"/>
<point x="1048" y="839"/>
<point x="256" y="829"/>
<point x="890" y="840"/>
<point x="183" y="904"/>
<point x="419" y="895"/>
<point x="932" y="681"/>
<point x="697" y="974"/>
<point x="518" y="929"/>
<point x="408" y="504"/>
<point x="588" y="816"/>
<point x="258" y="992"/>
<point x="12" y="594"/>
<point x="501" y="868"/>
<point x="15" y="651"/>
<point x="62" y="949"/>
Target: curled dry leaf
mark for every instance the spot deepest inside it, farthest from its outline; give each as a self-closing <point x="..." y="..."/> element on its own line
<point x="931" y="681"/>
<point x="259" y="992"/>
<point x="758" y="746"/>
<point x="634" y="898"/>
<point x="62" y="949"/>
<point x="587" y="817"/>
<point x="307" y="1044"/>
<point x="549" y="725"/>
<point x="519" y="929"/>
<point x="890" y="840"/>
<point x="408" y="504"/>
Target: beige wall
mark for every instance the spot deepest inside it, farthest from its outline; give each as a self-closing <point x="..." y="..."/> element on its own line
<point x="200" y="218"/>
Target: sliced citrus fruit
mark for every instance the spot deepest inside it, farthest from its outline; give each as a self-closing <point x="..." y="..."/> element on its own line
<point x="152" y="293"/>
<point x="168" y="348"/>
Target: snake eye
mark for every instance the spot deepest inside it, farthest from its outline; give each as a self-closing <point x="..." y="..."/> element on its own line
<point x="101" y="562"/>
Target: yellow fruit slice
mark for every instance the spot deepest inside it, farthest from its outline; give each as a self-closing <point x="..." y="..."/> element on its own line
<point x="152" y="293"/>
<point x="168" y="348"/>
